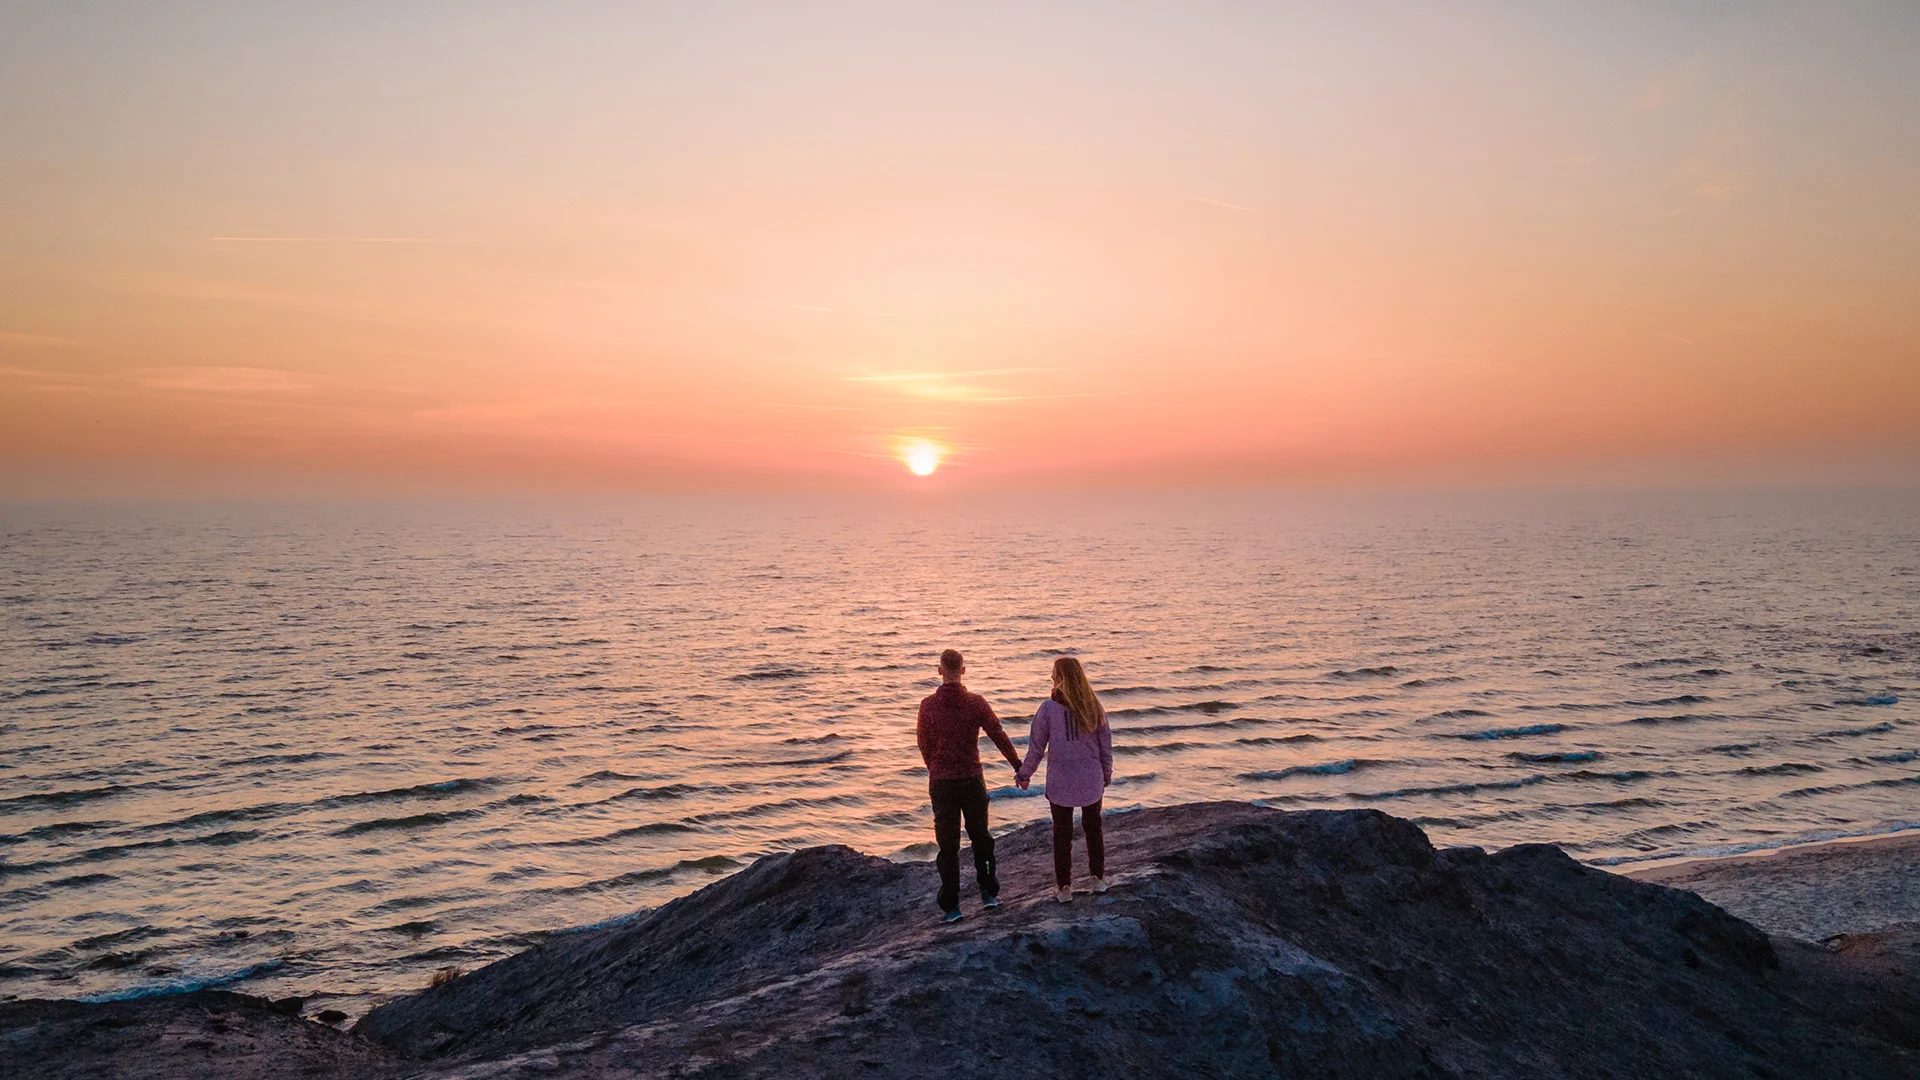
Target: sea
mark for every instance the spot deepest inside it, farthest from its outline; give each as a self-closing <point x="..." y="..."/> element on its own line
<point x="329" y="748"/>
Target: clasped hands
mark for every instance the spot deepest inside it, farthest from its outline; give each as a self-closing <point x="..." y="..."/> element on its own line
<point x="1024" y="781"/>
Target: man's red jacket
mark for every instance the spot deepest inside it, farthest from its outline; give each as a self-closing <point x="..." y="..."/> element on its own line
<point x="951" y="720"/>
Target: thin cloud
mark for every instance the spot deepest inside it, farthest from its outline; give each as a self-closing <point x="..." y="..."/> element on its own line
<point x="725" y="298"/>
<point x="326" y="240"/>
<point x="944" y="385"/>
<point x="930" y="376"/>
<point x="1661" y="91"/>
<point x="1059" y="397"/>
<point x="9" y="340"/>
<point x="1228" y="205"/>
<point x="222" y="380"/>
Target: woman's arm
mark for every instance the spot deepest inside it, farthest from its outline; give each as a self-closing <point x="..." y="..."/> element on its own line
<point x="1036" y="745"/>
<point x="1106" y="754"/>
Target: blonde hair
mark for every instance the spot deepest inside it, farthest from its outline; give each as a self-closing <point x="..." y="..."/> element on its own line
<point x="1082" y="703"/>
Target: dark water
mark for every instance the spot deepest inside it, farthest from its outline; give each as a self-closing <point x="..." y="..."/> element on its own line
<point x="331" y="748"/>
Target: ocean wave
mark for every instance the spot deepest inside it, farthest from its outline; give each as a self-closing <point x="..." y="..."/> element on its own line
<point x="646" y="794"/>
<point x="1383" y="672"/>
<point x="56" y="829"/>
<point x="1459" y="714"/>
<point x="1578" y="776"/>
<point x="1012" y="791"/>
<point x="1848" y="733"/>
<point x="120" y="851"/>
<point x="71" y="797"/>
<point x="776" y="808"/>
<point x="1331" y="768"/>
<point x="221" y="817"/>
<point x="1890" y="782"/>
<point x="1638" y="802"/>
<point x="1677" y="718"/>
<point x="411" y="821"/>
<point x="186" y="985"/>
<point x="1564" y="758"/>
<point x="1211" y="725"/>
<point x="1785" y="768"/>
<point x="609" y="776"/>
<point x="1624" y="776"/>
<point x="712" y="864"/>
<point x="120" y="937"/>
<point x="1431" y="680"/>
<point x="773" y="673"/>
<point x="1682" y="699"/>
<point x="1129" y="691"/>
<point x="1132" y="749"/>
<point x="1449" y="789"/>
<point x="651" y="828"/>
<point x="40" y="889"/>
<point x="778" y="763"/>
<point x="435" y="790"/>
<point x="1206" y="707"/>
<point x="280" y="759"/>
<point x="1511" y="732"/>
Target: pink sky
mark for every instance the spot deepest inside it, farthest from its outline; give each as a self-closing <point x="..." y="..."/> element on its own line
<point x="590" y="248"/>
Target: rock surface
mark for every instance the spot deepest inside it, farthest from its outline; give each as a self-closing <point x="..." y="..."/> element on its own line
<point x="202" y="1034"/>
<point x="1237" y="941"/>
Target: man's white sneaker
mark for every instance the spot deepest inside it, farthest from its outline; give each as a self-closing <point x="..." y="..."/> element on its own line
<point x="1064" y="894"/>
<point x="1099" y="884"/>
<point x="991" y="901"/>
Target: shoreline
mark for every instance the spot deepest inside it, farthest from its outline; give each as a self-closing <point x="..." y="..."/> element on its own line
<point x="1663" y="862"/>
<point x="1813" y="891"/>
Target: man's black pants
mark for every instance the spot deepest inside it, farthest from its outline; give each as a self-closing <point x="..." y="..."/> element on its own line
<point x="953" y="800"/>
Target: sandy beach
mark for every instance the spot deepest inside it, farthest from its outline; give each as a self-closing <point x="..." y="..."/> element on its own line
<point x="1811" y="892"/>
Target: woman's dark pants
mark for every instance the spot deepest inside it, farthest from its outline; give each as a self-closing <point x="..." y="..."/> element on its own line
<point x="952" y="800"/>
<point x="1063" y="842"/>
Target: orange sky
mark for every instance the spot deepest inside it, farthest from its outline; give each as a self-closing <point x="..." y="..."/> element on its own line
<point x="592" y="247"/>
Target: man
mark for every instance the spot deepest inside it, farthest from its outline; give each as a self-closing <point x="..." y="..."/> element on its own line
<point x="951" y="720"/>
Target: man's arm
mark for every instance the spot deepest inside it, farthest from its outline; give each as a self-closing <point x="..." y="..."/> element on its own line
<point x="998" y="734"/>
<point x="920" y="736"/>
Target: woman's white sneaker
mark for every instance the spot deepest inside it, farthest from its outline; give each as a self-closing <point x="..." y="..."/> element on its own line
<point x="1064" y="894"/>
<point x="1099" y="884"/>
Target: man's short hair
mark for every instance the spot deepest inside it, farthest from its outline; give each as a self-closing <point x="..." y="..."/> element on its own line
<point x="951" y="662"/>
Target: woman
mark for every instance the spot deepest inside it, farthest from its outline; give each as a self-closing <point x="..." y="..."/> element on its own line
<point x="1071" y="728"/>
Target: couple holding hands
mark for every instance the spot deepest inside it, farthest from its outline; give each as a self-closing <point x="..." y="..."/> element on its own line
<point x="1069" y="732"/>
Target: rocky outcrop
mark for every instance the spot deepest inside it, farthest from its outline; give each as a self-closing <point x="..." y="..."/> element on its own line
<point x="1237" y="941"/>
<point x="175" y="1036"/>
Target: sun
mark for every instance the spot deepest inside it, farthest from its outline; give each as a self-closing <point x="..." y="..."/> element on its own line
<point x="922" y="457"/>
